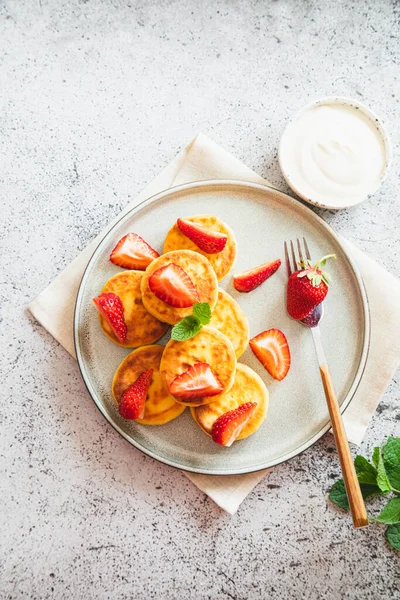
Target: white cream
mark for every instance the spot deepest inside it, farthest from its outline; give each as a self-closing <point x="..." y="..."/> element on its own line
<point x="333" y="155"/>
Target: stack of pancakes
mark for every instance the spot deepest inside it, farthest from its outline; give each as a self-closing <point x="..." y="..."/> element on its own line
<point x="219" y="344"/>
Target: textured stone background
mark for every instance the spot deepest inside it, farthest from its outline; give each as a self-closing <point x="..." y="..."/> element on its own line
<point x="96" y="97"/>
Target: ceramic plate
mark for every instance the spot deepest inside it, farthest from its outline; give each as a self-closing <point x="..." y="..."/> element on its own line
<point x="262" y="219"/>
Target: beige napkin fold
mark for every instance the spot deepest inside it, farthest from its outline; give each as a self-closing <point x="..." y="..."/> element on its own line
<point x="203" y="159"/>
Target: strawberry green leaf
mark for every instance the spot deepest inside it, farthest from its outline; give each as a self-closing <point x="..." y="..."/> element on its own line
<point x="366" y="473"/>
<point x="391" y="460"/>
<point x="317" y="280"/>
<point x="202" y="312"/>
<point x="382" y="478"/>
<point x="393" y="535"/>
<point x="390" y="514"/>
<point x="185" y="329"/>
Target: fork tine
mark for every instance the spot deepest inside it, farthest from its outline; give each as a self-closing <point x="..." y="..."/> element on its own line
<point x="293" y="256"/>
<point x="299" y="249"/>
<point x="287" y="260"/>
<point x="307" y="250"/>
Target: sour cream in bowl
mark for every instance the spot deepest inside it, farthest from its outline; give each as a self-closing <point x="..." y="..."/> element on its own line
<point x="335" y="153"/>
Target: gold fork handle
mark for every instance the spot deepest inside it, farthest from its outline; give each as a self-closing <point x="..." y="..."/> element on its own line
<point x="356" y="501"/>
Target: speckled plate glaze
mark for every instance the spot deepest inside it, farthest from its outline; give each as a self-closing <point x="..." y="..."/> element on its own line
<point x="261" y="219"/>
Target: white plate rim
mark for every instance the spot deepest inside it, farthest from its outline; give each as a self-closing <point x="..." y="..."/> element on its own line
<point x="223" y="183"/>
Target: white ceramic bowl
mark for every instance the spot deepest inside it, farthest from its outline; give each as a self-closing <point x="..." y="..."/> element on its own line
<point x="285" y="167"/>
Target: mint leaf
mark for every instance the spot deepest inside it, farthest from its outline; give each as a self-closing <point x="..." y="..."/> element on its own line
<point x="381" y="478"/>
<point x="390" y="514"/>
<point x="375" y="456"/>
<point x="191" y="325"/>
<point x="338" y="495"/>
<point x="393" y="535"/>
<point x="202" y="312"/>
<point x="185" y="329"/>
<point x="391" y="460"/>
<point x="368" y="490"/>
<point x="366" y="473"/>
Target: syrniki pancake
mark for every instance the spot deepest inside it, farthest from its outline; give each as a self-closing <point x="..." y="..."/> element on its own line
<point x="160" y="406"/>
<point x="221" y="262"/>
<point x="209" y="346"/>
<point x="143" y="328"/>
<point x="200" y="272"/>
<point x="247" y="387"/>
<point x="229" y="318"/>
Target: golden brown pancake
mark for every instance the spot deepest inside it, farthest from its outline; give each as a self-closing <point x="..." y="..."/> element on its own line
<point x="200" y="272"/>
<point x="209" y="346"/>
<point x="247" y="387"/>
<point x="221" y="262"/>
<point x="229" y="318"/>
<point x="160" y="406"/>
<point x="143" y="328"/>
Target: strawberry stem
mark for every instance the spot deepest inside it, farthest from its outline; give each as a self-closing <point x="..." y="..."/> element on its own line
<point x="322" y="261"/>
<point x="315" y="273"/>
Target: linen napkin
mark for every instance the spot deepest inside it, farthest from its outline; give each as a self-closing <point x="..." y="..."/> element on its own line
<point x="203" y="159"/>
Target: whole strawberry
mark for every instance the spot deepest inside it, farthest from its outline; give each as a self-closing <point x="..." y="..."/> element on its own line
<point x="307" y="288"/>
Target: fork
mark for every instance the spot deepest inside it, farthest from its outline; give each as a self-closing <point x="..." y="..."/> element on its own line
<point x="356" y="502"/>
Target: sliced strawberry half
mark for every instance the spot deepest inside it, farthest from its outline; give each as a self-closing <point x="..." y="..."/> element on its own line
<point x="111" y="307"/>
<point x="272" y="350"/>
<point x="207" y="240"/>
<point x="197" y="382"/>
<point x="229" y="426"/>
<point x="172" y="285"/>
<point x="249" y="280"/>
<point x="131" y="405"/>
<point x="132" y="252"/>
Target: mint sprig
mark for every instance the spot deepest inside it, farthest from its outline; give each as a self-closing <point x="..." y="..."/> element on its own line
<point x="191" y="325"/>
<point x="379" y="478"/>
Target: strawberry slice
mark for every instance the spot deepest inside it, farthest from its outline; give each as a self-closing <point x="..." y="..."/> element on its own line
<point x="249" y="280"/>
<point x="272" y="350"/>
<point x="131" y="405"/>
<point x="132" y="252"/>
<point x="111" y="307"/>
<point x="229" y="426"/>
<point x="207" y="240"/>
<point x="197" y="382"/>
<point x="172" y="285"/>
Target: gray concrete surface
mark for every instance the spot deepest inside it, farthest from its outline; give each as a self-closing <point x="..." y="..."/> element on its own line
<point x="96" y="97"/>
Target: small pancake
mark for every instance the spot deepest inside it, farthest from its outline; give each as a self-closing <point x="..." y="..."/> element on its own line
<point x="160" y="406"/>
<point x="208" y="346"/>
<point x="247" y="387"/>
<point x="143" y="328"/>
<point x="229" y="318"/>
<point x="221" y="262"/>
<point x="200" y="272"/>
